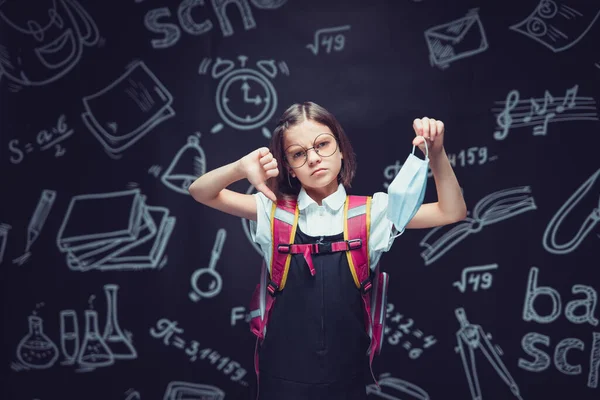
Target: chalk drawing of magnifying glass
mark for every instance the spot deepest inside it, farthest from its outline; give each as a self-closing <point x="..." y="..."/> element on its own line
<point x="206" y="282"/>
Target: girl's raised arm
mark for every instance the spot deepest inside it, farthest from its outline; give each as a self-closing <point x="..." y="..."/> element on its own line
<point x="257" y="166"/>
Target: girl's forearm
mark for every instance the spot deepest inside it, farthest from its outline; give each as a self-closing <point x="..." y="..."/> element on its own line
<point x="209" y="185"/>
<point x="450" y="197"/>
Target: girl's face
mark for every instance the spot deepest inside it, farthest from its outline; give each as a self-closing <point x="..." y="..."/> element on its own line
<point x="320" y="171"/>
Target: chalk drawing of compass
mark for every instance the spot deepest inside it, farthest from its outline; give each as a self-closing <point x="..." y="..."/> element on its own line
<point x="245" y="98"/>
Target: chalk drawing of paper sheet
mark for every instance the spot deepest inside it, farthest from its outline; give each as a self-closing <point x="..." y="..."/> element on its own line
<point x="559" y="25"/>
<point x="95" y="220"/>
<point x="126" y="110"/>
<point x="146" y="254"/>
<point x="457" y="39"/>
<point x="86" y="259"/>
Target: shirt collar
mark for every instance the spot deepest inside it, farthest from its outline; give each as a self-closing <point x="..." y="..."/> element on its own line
<point x="334" y="201"/>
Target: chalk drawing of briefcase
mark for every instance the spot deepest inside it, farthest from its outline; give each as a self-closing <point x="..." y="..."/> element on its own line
<point x="457" y="39"/>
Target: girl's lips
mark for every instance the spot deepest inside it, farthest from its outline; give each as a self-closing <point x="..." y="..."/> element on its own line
<point x="320" y="169"/>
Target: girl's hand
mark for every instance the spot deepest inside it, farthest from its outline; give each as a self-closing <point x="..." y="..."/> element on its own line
<point x="258" y="166"/>
<point x="431" y="130"/>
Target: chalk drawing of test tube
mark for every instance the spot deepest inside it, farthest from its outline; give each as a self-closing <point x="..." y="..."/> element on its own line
<point x="471" y="337"/>
<point x="576" y="200"/>
<point x="213" y="286"/>
<point x="126" y="110"/>
<point x="494" y="207"/>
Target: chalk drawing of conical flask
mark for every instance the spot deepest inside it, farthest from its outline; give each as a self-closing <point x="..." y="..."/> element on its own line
<point x="188" y="164"/>
<point x="119" y="344"/>
<point x="94" y="351"/>
<point x="36" y="350"/>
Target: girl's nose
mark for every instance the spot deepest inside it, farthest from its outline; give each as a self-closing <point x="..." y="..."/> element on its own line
<point x="313" y="156"/>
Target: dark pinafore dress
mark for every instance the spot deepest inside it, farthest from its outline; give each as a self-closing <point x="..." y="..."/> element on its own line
<point x="316" y="343"/>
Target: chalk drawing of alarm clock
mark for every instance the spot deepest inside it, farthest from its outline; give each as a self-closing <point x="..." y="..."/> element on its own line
<point x="245" y="97"/>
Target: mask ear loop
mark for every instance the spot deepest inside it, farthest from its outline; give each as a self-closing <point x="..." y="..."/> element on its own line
<point x="426" y="148"/>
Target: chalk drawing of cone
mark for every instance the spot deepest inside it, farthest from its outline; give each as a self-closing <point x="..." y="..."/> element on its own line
<point x="126" y="110"/>
<point x="188" y="164"/>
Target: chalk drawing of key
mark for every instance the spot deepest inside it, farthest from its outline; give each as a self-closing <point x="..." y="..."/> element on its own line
<point x="127" y="109"/>
<point x="36" y="222"/>
<point x="212" y="280"/>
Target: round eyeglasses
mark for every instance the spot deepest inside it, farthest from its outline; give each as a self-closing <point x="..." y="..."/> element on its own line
<point x="324" y="145"/>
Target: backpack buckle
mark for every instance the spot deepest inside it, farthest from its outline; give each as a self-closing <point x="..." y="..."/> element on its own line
<point x="354" y="244"/>
<point x="272" y="287"/>
<point x="365" y="286"/>
<point x="321" y="247"/>
<point x="284" y="248"/>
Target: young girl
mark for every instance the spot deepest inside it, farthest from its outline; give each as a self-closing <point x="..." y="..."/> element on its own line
<point x="316" y="346"/>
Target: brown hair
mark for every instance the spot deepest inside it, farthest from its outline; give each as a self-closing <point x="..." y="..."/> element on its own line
<point x="284" y="185"/>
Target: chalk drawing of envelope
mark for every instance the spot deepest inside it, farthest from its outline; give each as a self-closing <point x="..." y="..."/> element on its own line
<point x="148" y="253"/>
<point x="95" y="220"/>
<point x="457" y="39"/>
<point x="126" y="110"/>
<point x="86" y="259"/>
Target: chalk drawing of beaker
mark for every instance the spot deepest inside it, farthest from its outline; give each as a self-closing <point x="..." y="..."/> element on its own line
<point x="120" y="345"/>
<point x="188" y="164"/>
<point x="36" y="350"/>
<point x="69" y="336"/>
<point x="94" y="352"/>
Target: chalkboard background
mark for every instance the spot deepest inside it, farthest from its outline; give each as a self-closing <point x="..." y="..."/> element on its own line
<point x="108" y="109"/>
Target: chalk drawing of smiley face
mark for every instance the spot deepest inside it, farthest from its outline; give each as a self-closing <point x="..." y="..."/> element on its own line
<point x="41" y="44"/>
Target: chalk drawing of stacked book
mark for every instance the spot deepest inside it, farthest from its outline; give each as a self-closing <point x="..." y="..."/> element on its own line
<point x="114" y="231"/>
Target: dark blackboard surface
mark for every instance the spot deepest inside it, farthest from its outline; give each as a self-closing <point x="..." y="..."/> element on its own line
<point x="107" y="109"/>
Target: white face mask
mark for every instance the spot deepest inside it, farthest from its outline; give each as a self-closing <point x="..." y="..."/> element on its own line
<point x="407" y="190"/>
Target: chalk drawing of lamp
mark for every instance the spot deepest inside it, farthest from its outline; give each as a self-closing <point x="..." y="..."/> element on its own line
<point x="127" y="109"/>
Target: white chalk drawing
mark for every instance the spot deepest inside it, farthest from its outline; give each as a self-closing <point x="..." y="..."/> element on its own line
<point x="127" y="109"/>
<point x="495" y="207"/>
<point x="36" y="223"/>
<point x="169" y="332"/>
<point x="577" y="311"/>
<point x="36" y="350"/>
<point x="478" y="276"/>
<point x="132" y="394"/>
<point x="575" y="201"/>
<point x="131" y="236"/>
<point x="248" y="225"/>
<point x="391" y="388"/>
<point x="473" y="156"/>
<point x="534" y="291"/>
<point x="44" y="140"/>
<point x="542" y="361"/>
<point x="177" y="390"/>
<point x="239" y="314"/>
<point x="539" y="112"/>
<point x="4" y="228"/>
<point x="207" y="282"/>
<point x="188" y="164"/>
<point x="406" y="330"/>
<point x="94" y="350"/>
<point x="456" y="40"/>
<point x="559" y="24"/>
<point x="329" y="38"/>
<point x="245" y="97"/>
<point x="161" y="21"/>
<point x="471" y="337"/>
<point x="40" y="45"/>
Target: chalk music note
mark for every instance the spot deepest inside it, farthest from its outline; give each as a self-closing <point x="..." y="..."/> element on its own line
<point x="570" y="96"/>
<point x="540" y="130"/>
<point x="536" y="109"/>
<point x="504" y="119"/>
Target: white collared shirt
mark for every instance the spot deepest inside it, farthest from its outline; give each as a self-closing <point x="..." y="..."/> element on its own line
<point x="325" y="220"/>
